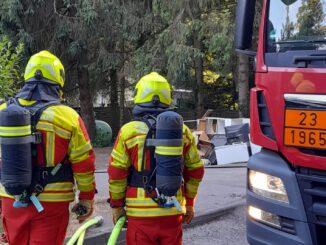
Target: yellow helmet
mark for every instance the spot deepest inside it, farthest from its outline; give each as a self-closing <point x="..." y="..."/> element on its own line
<point x="153" y="88"/>
<point x="45" y="65"/>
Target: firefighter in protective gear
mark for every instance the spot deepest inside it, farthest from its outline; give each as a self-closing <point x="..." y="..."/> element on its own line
<point x="64" y="141"/>
<point x="148" y="222"/>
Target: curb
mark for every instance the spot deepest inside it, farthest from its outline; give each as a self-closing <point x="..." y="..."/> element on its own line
<point x="213" y="215"/>
<point x="101" y="239"/>
<point x="230" y="165"/>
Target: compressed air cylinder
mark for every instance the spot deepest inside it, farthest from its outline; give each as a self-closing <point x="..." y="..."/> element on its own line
<point x="168" y="152"/>
<point x="15" y="133"/>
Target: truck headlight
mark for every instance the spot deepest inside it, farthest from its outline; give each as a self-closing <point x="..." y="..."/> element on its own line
<point x="268" y="186"/>
<point x="264" y="217"/>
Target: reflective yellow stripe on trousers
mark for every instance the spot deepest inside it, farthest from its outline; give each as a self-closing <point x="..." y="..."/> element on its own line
<point x="153" y="212"/>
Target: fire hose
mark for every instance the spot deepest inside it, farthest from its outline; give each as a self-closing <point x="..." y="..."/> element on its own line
<point x="79" y="235"/>
<point x="116" y="230"/>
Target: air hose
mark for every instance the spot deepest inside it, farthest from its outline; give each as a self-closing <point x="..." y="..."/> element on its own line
<point x="116" y="230"/>
<point x="80" y="233"/>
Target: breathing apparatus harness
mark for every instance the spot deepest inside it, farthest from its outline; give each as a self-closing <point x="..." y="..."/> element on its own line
<point x="19" y="139"/>
<point x="164" y="142"/>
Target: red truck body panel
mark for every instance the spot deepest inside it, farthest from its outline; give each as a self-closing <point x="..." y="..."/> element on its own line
<point x="274" y="82"/>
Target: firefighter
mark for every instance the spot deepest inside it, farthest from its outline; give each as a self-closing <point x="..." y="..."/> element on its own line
<point x="150" y="221"/>
<point x="65" y="143"/>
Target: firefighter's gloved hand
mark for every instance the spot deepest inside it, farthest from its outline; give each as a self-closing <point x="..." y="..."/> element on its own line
<point x="83" y="209"/>
<point x="190" y="212"/>
<point x="117" y="213"/>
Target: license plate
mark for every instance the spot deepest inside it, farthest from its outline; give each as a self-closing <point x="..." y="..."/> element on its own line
<point x="305" y="128"/>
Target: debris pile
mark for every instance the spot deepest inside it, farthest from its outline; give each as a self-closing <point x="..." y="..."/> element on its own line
<point x="223" y="140"/>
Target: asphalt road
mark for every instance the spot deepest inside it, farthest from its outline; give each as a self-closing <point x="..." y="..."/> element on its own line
<point x="227" y="230"/>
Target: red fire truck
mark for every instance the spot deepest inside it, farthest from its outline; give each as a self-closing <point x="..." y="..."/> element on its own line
<point x="286" y="184"/>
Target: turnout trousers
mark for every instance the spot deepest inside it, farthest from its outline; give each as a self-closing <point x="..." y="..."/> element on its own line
<point x="164" y="230"/>
<point x="25" y="226"/>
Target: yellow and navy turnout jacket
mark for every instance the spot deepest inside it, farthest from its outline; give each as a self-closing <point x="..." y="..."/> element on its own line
<point x="64" y="136"/>
<point x="127" y="153"/>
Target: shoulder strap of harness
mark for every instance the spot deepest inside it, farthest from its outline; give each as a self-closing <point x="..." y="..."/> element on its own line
<point x="36" y="112"/>
<point x="35" y="109"/>
<point x="145" y="178"/>
<point x="45" y="175"/>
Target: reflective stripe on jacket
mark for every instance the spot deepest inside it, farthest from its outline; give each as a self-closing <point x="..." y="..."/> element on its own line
<point x="64" y="135"/>
<point x="127" y="151"/>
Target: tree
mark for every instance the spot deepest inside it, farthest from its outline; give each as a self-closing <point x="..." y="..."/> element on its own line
<point x="244" y="71"/>
<point x="9" y="64"/>
<point x="197" y="37"/>
<point x="287" y="31"/>
<point x="40" y="24"/>
<point x="310" y="18"/>
<point x="106" y="46"/>
<point x="243" y="85"/>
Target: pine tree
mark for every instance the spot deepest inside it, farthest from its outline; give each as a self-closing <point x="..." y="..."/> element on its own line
<point x="310" y="18"/>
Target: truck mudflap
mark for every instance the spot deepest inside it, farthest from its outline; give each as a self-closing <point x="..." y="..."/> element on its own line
<point x="292" y="227"/>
